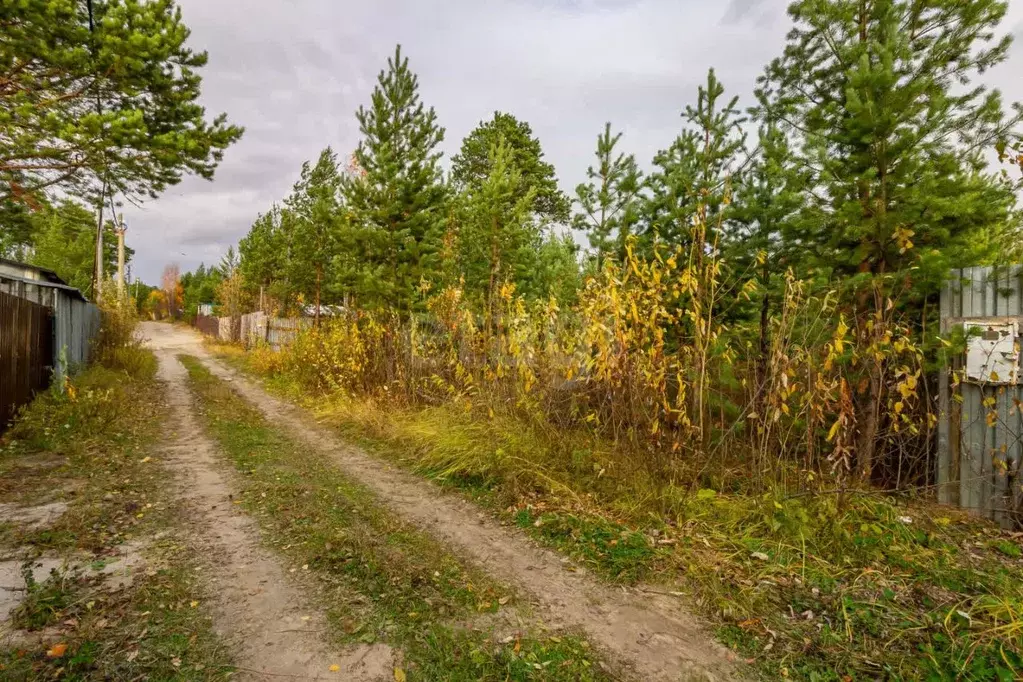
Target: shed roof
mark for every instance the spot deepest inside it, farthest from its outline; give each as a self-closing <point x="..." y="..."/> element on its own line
<point x="48" y="283"/>
<point x="44" y="273"/>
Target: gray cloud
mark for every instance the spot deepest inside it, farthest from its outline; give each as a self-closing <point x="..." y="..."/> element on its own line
<point x="294" y="73"/>
<point x="740" y="9"/>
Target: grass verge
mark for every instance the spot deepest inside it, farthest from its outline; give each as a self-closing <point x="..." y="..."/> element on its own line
<point x="382" y="579"/>
<point x="817" y="588"/>
<point x="90" y="449"/>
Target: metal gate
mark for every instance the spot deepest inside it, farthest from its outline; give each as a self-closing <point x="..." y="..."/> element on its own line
<point x="980" y="428"/>
<point x="26" y="353"/>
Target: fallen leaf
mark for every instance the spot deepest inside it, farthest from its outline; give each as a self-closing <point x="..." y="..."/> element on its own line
<point x="503" y="600"/>
<point x="57" y="650"/>
<point x="176" y="662"/>
<point x="399" y="675"/>
<point x="760" y="555"/>
<point x="194" y="604"/>
<point x="334" y="668"/>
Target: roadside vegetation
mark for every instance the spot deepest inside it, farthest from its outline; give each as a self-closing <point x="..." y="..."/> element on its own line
<point x="123" y="599"/>
<point x="860" y="584"/>
<point x="732" y="392"/>
<point x="380" y="579"/>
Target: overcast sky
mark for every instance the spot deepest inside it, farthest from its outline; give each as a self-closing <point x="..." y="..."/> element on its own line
<point x="293" y="72"/>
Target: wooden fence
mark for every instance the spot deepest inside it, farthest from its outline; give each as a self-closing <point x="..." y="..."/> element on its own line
<point x="208" y="325"/>
<point x="253" y="329"/>
<point x="26" y="353"/>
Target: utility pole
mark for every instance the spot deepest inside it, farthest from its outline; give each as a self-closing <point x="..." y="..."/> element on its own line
<point x="121" y="228"/>
<point x="98" y="275"/>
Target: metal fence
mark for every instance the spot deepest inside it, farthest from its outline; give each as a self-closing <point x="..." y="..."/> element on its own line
<point x="980" y="428"/>
<point x="26" y="353"/>
<point x="76" y="325"/>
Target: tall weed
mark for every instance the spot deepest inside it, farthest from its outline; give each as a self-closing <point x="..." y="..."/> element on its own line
<point x="649" y="364"/>
<point x="118" y="345"/>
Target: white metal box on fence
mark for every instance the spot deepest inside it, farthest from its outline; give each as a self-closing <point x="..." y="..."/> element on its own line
<point x="980" y="420"/>
<point x="992" y="351"/>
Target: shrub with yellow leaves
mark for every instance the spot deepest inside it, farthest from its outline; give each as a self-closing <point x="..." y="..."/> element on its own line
<point x="646" y="363"/>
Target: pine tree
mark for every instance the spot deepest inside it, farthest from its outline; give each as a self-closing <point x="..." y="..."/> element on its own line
<point x="876" y="93"/>
<point x="471" y="167"/>
<point x="766" y="207"/>
<point x="315" y="208"/>
<point x="557" y="272"/>
<point x="102" y="92"/>
<point x="694" y="177"/>
<point x="609" y="202"/>
<point x="229" y="263"/>
<point x="262" y="256"/>
<point x="63" y="240"/>
<point x="397" y="201"/>
<point x="498" y="236"/>
<point x="893" y="133"/>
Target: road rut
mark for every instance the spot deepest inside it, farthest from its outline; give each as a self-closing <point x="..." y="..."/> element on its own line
<point x="652" y="635"/>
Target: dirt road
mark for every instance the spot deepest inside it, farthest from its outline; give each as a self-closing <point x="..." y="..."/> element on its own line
<point x="649" y="634"/>
<point x="270" y="625"/>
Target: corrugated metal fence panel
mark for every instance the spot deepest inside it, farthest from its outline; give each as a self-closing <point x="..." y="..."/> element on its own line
<point x="76" y="325"/>
<point x="980" y="439"/>
<point x="26" y="352"/>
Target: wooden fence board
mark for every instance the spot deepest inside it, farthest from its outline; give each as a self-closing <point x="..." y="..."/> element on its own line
<point x="26" y="353"/>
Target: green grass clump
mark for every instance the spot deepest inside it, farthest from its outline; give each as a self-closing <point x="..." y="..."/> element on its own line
<point x="612" y="549"/>
<point x="383" y="580"/>
<point x="44" y="602"/>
